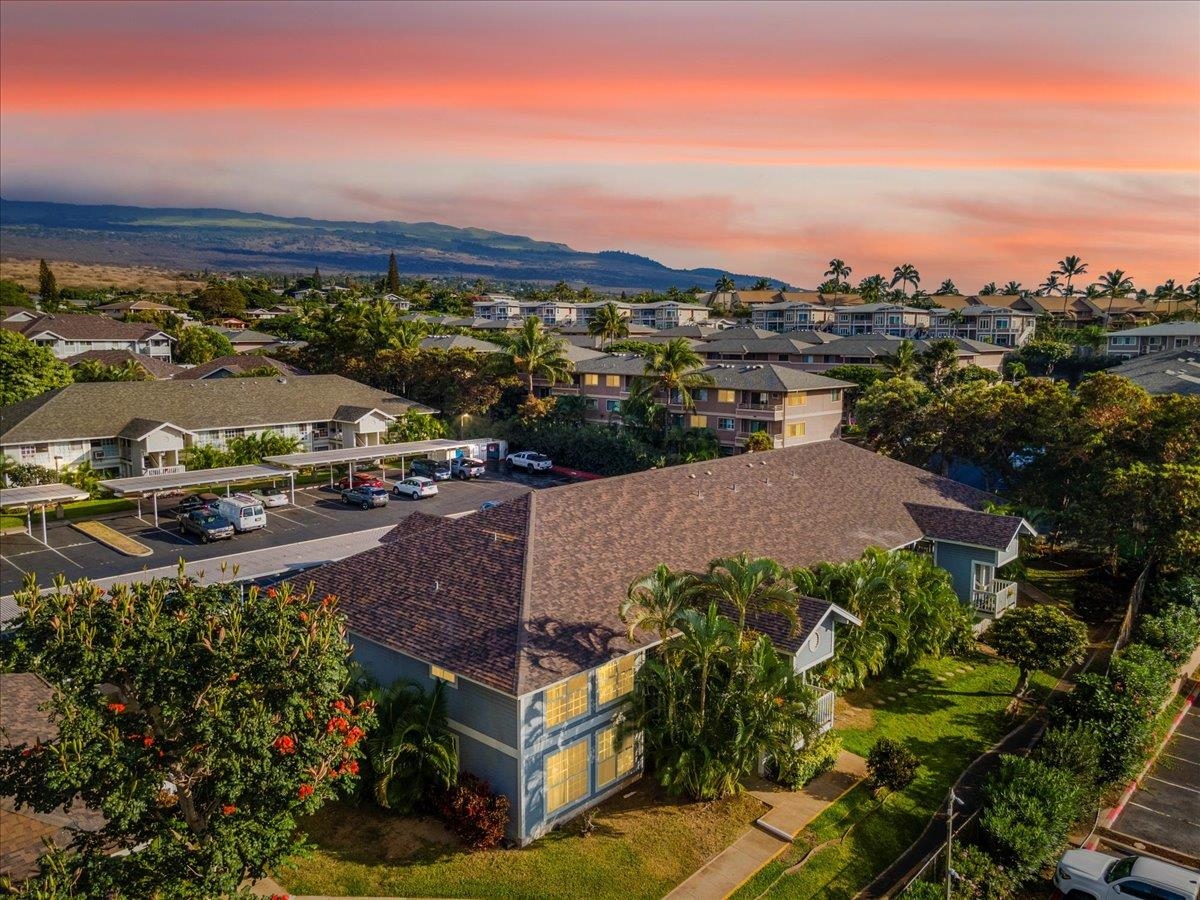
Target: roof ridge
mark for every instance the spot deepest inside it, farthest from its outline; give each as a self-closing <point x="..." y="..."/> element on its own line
<point x="526" y="590"/>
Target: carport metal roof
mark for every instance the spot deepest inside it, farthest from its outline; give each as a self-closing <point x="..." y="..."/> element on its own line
<point x="41" y="493"/>
<point x="356" y="454"/>
<point x="153" y="484"/>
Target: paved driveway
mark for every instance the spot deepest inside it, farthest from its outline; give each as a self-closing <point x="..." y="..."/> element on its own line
<point x="318" y="513"/>
<point x="1165" y="809"/>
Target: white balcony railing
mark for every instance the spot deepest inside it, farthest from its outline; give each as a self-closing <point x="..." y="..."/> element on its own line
<point x="165" y="470"/>
<point x="994" y="599"/>
<point x="825" y="711"/>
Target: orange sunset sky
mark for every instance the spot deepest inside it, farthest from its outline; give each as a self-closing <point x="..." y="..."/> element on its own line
<point x="978" y="141"/>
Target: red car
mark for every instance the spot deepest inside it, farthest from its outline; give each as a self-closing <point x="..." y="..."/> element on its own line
<point x="360" y="481"/>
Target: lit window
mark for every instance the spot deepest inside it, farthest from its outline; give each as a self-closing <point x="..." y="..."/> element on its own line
<point x="615" y="679"/>
<point x="566" y="776"/>
<point x="795" y="429"/>
<point x="612" y="381"/>
<point x="698" y="421"/>
<point x="725" y="396"/>
<point x="612" y="759"/>
<point x="797" y="399"/>
<point x="591" y="379"/>
<point x="443" y="674"/>
<point x="566" y="700"/>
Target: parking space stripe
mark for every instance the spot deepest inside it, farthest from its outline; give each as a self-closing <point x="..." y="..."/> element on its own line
<point x="8" y="559"/>
<point x="176" y="534"/>
<point x="1182" y="787"/>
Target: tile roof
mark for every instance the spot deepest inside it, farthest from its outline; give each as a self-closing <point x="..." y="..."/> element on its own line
<point x="159" y="368"/>
<point x="965" y="526"/>
<point x="236" y="364"/>
<point x="525" y="594"/>
<point x="103" y="409"/>
<point x="82" y="327"/>
<point x="740" y="333"/>
<point x="1166" y="372"/>
<point x="21" y="719"/>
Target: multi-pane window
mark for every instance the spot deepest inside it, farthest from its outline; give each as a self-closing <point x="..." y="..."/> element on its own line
<point x="615" y="679"/>
<point x="566" y="700"/>
<point x="566" y="776"/>
<point x="700" y="395"/>
<point x="614" y="757"/>
<point x="28" y="452"/>
<point x="591" y="379"/>
<point x="797" y="399"/>
<point x="724" y="424"/>
<point x="724" y="396"/>
<point x="443" y="675"/>
<point x="835" y="394"/>
<point x="612" y="381"/>
<point x="795" y="429"/>
<point x="697" y="421"/>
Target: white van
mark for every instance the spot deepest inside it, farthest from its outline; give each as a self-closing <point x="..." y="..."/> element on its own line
<point x="246" y="515"/>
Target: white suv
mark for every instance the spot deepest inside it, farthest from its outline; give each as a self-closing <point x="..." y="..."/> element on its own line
<point x="1088" y="875"/>
<point x="530" y="461"/>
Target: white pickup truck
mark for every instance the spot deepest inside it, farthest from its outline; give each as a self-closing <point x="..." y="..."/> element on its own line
<point x="530" y="461"/>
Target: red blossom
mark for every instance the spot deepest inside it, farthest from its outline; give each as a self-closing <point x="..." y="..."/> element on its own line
<point x="116" y="708"/>
<point x="285" y="745"/>
<point x="349" y="767"/>
<point x="340" y="706"/>
<point x="303" y="617"/>
<point x="337" y="723"/>
<point x="305" y="791"/>
<point x="148" y="740"/>
<point x="234" y="677"/>
<point x="272" y="593"/>
<point x="228" y="809"/>
<point x="353" y="736"/>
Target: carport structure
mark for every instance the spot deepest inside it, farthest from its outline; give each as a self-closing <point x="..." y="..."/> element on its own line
<point x="39" y="495"/>
<point x="439" y="448"/>
<point x="142" y="486"/>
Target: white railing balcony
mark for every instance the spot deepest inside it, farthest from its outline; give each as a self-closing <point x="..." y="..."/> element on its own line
<point x="994" y="599"/>
<point x="824" y="715"/>
<point x="165" y="470"/>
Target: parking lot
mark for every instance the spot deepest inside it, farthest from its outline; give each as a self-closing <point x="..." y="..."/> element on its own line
<point x="318" y="513"/>
<point x="1164" y="812"/>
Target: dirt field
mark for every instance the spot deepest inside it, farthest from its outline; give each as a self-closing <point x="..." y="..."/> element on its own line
<point x="92" y="275"/>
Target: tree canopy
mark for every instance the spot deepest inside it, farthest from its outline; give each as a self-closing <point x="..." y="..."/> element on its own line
<point x="27" y="369"/>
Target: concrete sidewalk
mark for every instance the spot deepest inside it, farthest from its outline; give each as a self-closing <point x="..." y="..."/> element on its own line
<point x="790" y="812"/>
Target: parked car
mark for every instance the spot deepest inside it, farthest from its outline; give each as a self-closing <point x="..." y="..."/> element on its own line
<point x="365" y="496"/>
<point x="1098" y="876"/>
<point x="245" y="514"/>
<point x="437" y="469"/>
<point x="489" y="504"/>
<point x="414" y="488"/>
<point x="359" y="481"/>
<point x="196" y="501"/>
<point x="465" y="467"/>
<point x="206" y="525"/>
<point x="530" y="461"/>
<point x="268" y="497"/>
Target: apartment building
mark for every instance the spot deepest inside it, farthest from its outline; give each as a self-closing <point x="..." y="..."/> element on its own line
<point x="515" y="609"/>
<point x="553" y="313"/>
<point x="995" y="324"/>
<point x="893" y="319"/>
<point x="69" y="334"/>
<point x="1154" y="338"/>
<point x="826" y="351"/>
<point x="791" y="406"/>
<point x="792" y="348"/>
<point x="129" y="428"/>
<point x="791" y="316"/>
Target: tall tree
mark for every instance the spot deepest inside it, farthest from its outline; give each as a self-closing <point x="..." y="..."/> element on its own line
<point x="749" y="585"/>
<point x="870" y="289"/>
<point x="902" y="363"/>
<point x="609" y="324"/>
<point x="1012" y="289"/>
<point x="839" y="272"/>
<point x="762" y="284"/>
<point x="905" y="275"/>
<point x="1036" y="638"/>
<point x="1068" y="268"/>
<point x="724" y="284"/>
<point x="1051" y="285"/>
<point x="654" y="602"/>
<point x="393" y="275"/>
<point x="670" y="370"/>
<point x="316" y="277"/>
<point x="535" y="353"/>
<point x="947" y="287"/>
<point x="988" y="289"/>
<point x="27" y="369"/>
<point x="201" y="721"/>
<point x="1116" y="284"/>
<point x="47" y="284"/>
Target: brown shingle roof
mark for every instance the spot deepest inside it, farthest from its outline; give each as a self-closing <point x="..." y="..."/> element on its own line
<point x="965" y="526"/>
<point x="236" y="364"/>
<point x="523" y="595"/>
<point x="159" y="368"/>
<point x="80" y="327"/>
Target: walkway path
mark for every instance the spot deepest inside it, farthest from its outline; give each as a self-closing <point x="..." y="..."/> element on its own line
<point x="790" y="812"/>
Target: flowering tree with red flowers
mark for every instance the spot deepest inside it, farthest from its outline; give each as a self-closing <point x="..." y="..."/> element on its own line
<point x="200" y="720"/>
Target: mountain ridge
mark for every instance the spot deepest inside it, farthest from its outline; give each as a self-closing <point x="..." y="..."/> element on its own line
<point x="227" y="239"/>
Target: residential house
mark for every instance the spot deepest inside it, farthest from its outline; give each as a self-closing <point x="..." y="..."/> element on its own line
<point x="402" y="304"/>
<point x="459" y="342"/>
<point x="995" y="324"/>
<point x="789" y="315"/>
<point x="69" y="334"/>
<point x="236" y="366"/>
<point x="793" y="407"/>
<point x="131" y="428"/>
<point x="873" y="349"/>
<point x="17" y="315"/>
<point x="893" y="319"/>
<point x="154" y="366"/>
<point x="1154" y="338"/>
<point x="794" y="348"/>
<point x="125" y="307"/>
<point x="246" y="340"/>
<point x="514" y="610"/>
<point x="1165" y="372"/>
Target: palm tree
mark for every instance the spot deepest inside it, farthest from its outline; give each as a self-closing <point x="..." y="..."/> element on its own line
<point x="750" y="584"/>
<point x="1012" y="289"/>
<point x="535" y="353"/>
<point x="1068" y="268"/>
<point x="988" y="289"/>
<point x="89" y="370"/>
<point x="905" y="275"/>
<point x="947" y="287"/>
<point x="1050" y="285"/>
<point x="671" y="370"/>
<point x="762" y="285"/>
<point x="838" y="271"/>
<point x="724" y="284"/>
<point x="609" y="324"/>
<point x="902" y="363"/>
<point x="411" y="749"/>
<point x="705" y="637"/>
<point x="82" y="476"/>
<point x="1114" y="283"/>
<point x="654" y="602"/>
<point x="1168" y="292"/>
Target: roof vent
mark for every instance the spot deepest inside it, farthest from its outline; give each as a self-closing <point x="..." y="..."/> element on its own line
<point x="436" y="586"/>
<point x="281" y="379"/>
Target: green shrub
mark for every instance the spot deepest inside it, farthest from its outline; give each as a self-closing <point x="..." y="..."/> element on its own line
<point x="1178" y="589"/>
<point x="798" y="768"/>
<point x="1074" y="748"/>
<point x="1123" y="731"/>
<point x="1144" y="676"/>
<point x="1028" y="809"/>
<point x="1173" y="631"/>
<point x="891" y="765"/>
<point x="979" y="876"/>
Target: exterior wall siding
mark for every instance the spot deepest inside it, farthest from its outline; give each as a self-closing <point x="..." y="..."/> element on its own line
<point x="958" y="560"/>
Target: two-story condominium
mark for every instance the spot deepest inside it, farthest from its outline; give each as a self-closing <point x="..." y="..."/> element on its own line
<point x="667" y="314"/>
<point x="995" y="324"/>
<point x="880" y="318"/>
<point x="1153" y="338"/>
<point x="1165" y="372"/>
<point x="69" y="334"/>
<point x="793" y="407"/>
<point x="791" y="316"/>
<point x="515" y="609"/>
<point x="130" y="428"/>
<point x="792" y="348"/>
<point x="873" y="349"/>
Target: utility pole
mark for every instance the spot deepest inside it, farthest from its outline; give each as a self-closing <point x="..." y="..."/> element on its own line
<point x="950" y="801"/>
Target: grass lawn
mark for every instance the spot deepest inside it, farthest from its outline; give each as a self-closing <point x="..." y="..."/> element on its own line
<point x="946" y="723"/>
<point x="641" y="847"/>
<point x="1080" y="582"/>
<point x="85" y="509"/>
